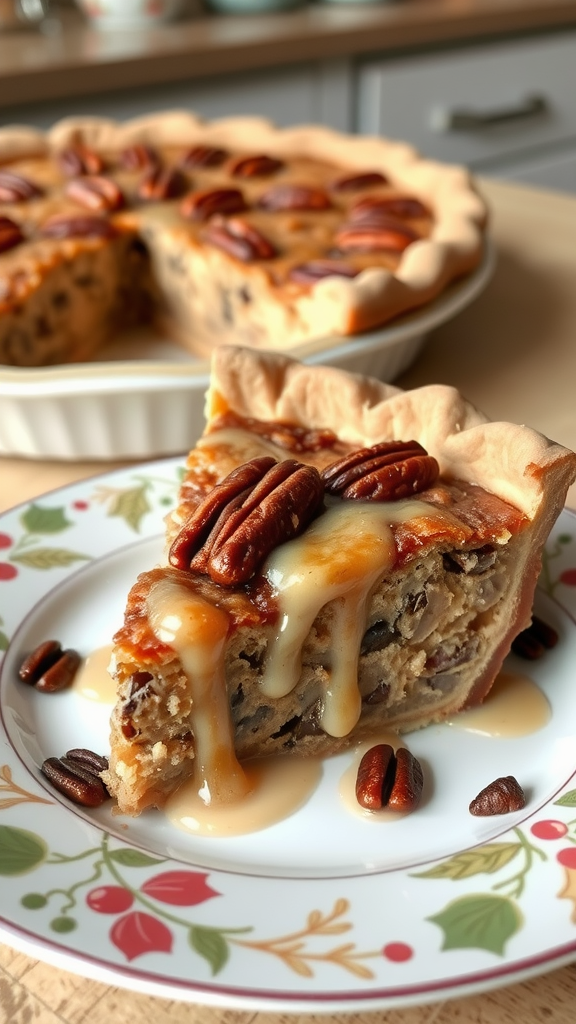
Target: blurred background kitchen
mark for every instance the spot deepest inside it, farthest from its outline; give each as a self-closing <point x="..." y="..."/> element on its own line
<point x="488" y="83"/>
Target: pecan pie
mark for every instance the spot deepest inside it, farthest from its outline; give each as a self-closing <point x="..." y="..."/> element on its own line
<point x="226" y="232"/>
<point x="344" y="558"/>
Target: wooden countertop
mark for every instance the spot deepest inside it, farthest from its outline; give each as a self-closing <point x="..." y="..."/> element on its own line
<point x="511" y="352"/>
<point x="76" y="59"/>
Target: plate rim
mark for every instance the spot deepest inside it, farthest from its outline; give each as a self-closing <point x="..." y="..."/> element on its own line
<point x="291" y="1000"/>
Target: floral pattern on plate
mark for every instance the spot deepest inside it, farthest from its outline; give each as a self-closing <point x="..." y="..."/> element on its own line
<point x="113" y="901"/>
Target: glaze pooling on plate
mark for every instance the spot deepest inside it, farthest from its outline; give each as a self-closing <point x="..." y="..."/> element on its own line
<point x="275" y="922"/>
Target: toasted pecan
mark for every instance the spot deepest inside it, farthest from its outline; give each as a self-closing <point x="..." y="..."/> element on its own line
<point x="354" y="182"/>
<point x="317" y="270"/>
<point x="15" y="188"/>
<point x="239" y="239"/>
<point x="371" y="208"/>
<point x="259" y="166"/>
<point x="10" y="234"/>
<point x="96" y="192"/>
<point x="386" y="233"/>
<point x="159" y="183"/>
<point x="80" y="159"/>
<point x="294" y="197"/>
<point x="204" y="156"/>
<point x="385" y="472"/>
<point x="203" y="205"/>
<point x="257" y="507"/>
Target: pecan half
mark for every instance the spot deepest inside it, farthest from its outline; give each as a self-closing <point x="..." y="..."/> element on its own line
<point x="388" y="779"/>
<point x="317" y="270"/>
<point x="72" y="777"/>
<point x="239" y="239"/>
<point x="352" y="182"/>
<point x="203" y="205"/>
<point x="501" y="797"/>
<point x="259" y="166"/>
<point x="15" y="188"/>
<point x="385" y="472"/>
<point x="10" y="234"/>
<point x="96" y="192"/>
<point x="80" y="159"/>
<point x="533" y="642"/>
<point x="49" y="668"/>
<point x="80" y="226"/>
<point x="161" y="183"/>
<point x="257" y="507"/>
<point x="139" y="157"/>
<point x="370" y="208"/>
<point x="387" y="234"/>
<point x="204" y="156"/>
<point x="294" y="197"/>
<point x="94" y="763"/>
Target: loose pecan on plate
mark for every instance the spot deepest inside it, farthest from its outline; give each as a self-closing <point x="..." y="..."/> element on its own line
<point x="257" y="507"/>
<point x="77" y="775"/>
<point x="389" y="779"/>
<point x="502" y="796"/>
<point x="49" y="668"/>
<point x="533" y="642"/>
<point x="384" y="472"/>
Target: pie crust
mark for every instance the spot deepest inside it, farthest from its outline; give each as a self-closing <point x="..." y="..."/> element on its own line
<point x="200" y="292"/>
<point x="377" y="616"/>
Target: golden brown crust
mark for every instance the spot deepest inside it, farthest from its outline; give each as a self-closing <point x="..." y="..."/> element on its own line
<point x="455" y="585"/>
<point x="517" y="463"/>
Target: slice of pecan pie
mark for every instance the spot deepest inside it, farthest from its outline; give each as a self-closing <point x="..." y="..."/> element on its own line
<point x="345" y="558"/>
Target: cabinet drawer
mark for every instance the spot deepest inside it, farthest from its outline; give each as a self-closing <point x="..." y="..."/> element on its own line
<point x="476" y="103"/>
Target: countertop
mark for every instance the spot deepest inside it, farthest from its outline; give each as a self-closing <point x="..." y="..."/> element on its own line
<point x="512" y="353"/>
<point x="76" y="59"/>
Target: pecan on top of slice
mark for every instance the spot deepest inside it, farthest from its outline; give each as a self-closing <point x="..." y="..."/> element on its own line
<point x="254" y="509"/>
<point x="385" y="472"/>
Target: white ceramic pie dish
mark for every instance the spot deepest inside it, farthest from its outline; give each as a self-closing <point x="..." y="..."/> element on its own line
<point x="144" y="397"/>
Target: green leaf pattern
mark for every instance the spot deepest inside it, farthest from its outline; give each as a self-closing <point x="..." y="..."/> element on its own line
<point x="480" y="921"/>
<point x="20" y="851"/>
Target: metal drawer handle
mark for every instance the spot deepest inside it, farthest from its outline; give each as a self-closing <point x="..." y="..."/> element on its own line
<point x="444" y="120"/>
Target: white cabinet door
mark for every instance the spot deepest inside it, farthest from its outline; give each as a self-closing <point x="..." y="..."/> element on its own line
<point x="475" y="103"/>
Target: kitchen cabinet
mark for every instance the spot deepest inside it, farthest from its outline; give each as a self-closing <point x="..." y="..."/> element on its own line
<point x="505" y="109"/>
<point x="312" y="92"/>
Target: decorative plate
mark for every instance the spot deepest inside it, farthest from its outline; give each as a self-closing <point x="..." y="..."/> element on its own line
<point x="325" y="911"/>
